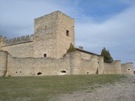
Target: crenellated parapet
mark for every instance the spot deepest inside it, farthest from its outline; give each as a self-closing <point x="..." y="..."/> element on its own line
<point x="18" y="40"/>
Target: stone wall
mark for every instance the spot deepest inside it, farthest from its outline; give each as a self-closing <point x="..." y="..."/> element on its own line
<point x="20" y="50"/>
<point x="37" y="66"/>
<point x="89" y="63"/>
<point x="101" y="65"/>
<point x="3" y="62"/>
<point x="127" y="68"/>
<point x="71" y="64"/>
<point x="112" y="68"/>
<point x="85" y="56"/>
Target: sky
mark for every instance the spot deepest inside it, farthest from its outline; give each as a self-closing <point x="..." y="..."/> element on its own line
<point x="98" y="23"/>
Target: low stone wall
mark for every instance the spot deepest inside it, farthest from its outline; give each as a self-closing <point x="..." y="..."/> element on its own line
<point x="71" y="64"/>
<point x="3" y="62"/>
<point x="37" y="66"/>
<point x="112" y="68"/>
<point x="127" y="68"/>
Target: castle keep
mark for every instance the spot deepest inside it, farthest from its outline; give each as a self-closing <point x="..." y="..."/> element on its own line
<point x="43" y="53"/>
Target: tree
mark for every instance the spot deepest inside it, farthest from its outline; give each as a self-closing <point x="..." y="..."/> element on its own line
<point x="107" y="56"/>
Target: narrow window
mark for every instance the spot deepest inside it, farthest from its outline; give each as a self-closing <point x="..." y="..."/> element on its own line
<point x="67" y="32"/>
<point x="45" y="55"/>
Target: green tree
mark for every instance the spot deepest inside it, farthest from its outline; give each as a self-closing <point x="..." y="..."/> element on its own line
<point x="107" y="56"/>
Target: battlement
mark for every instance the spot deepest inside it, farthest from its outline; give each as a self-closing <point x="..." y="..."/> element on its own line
<point x="17" y="40"/>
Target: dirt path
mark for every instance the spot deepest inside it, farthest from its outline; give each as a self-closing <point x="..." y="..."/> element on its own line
<point x="120" y="91"/>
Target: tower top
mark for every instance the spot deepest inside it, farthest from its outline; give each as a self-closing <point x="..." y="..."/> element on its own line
<point x="53" y="13"/>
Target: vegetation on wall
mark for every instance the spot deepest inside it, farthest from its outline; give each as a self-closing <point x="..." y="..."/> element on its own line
<point x="71" y="49"/>
<point x="107" y="56"/>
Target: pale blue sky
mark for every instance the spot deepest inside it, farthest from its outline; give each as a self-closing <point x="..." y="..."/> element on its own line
<point x="98" y="23"/>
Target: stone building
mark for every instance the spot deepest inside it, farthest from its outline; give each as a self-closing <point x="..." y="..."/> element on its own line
<point x="43" y="53"/>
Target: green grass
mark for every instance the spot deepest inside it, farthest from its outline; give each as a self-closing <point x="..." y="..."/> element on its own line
<point x="41" y="88"/>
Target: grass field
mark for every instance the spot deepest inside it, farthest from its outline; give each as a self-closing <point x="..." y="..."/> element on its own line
<point x="41" y="88"/>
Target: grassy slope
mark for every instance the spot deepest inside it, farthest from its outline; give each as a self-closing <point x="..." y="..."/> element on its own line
<point x="40" y="88"/>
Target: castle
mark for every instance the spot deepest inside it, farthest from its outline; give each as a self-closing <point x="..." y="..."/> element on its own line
<point x="43" y="53"/>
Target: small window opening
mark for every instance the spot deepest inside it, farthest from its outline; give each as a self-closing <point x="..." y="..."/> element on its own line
<point x="20" y="71"/>
<point x="87" y="73"/>
<point x="67" y="32"/>
<point x="45" y="55"/>
<point x="16" y="71"/>
<point x="63" y="71"/>
<point x="128" y="69"/>
<point x="39" y="73"/>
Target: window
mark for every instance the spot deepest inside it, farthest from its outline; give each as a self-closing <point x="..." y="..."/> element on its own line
<point x="39" y="73"/>
<point x="45" y="55"/>
<point x="67" y="32"/>
<point x="63" y="71"/>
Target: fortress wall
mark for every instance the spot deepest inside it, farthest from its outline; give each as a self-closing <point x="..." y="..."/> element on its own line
<point x="127" y="68"/>
<point x="85" y="56"/>
<point x="37" y="66"/>
<point x="85" y="63"/>
<point x="112" y="68"/>
<point x="90" y="66"/>
<point x="117" y="64"/>
<point x="109" y="68"/>
<point x="101" y="65"/>
<point x="20" y="50"/>
<point x="71" y="64"/>
<point x="75" y="63"/>
<point x="3" y="63"/>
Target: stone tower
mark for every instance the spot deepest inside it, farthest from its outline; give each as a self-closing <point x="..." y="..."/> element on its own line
<point x="53" y="34"/>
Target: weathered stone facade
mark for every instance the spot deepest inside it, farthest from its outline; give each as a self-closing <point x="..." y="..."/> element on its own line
<point x="43" y="52"/>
